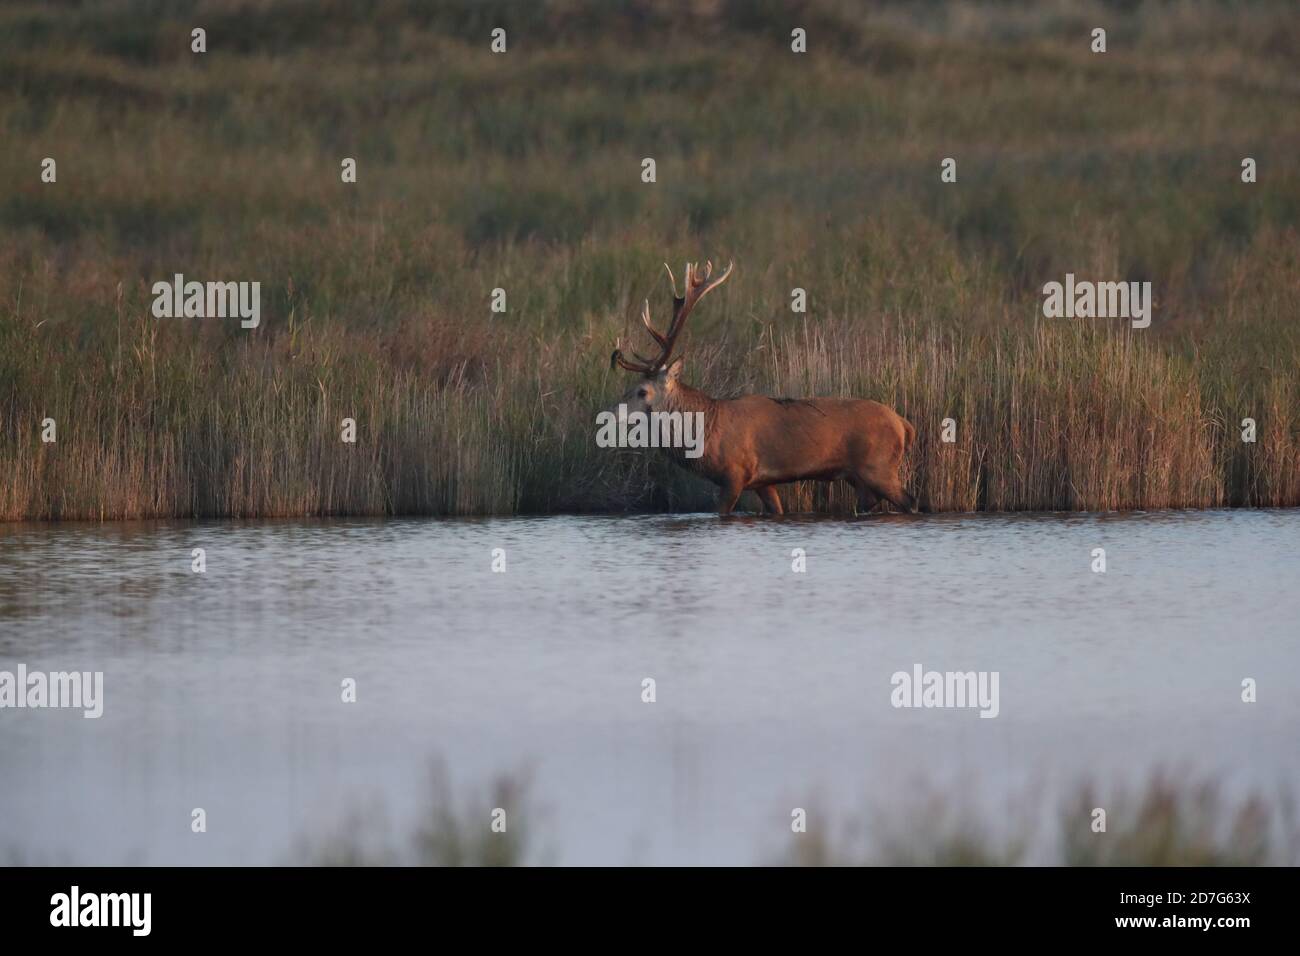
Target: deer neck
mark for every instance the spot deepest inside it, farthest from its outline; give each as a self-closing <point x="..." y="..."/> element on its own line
<point x="684" y="398"/>
<point x="702" y="408"/>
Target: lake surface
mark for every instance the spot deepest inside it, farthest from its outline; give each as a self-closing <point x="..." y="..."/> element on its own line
<point x="222" y="690"/>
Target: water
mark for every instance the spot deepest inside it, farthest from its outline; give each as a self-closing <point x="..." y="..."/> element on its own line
<point x="222" y="689"/>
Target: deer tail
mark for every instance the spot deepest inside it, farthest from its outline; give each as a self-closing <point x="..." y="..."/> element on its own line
<point x="909" y="435"/>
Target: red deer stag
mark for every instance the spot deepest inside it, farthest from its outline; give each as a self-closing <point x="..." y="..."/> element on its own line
<point x="755" y="442"/>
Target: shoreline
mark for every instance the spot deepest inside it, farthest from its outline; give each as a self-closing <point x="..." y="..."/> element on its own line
<point x="745" y="516"/>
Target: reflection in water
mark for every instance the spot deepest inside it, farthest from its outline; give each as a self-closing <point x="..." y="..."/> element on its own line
<point x="222" y="689"/>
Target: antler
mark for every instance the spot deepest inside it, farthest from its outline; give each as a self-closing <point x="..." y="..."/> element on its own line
<point x="697" y="286"/>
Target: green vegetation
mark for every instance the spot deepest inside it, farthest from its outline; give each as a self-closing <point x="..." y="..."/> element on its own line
<point x="447" y="835"/>
<point x="522" y="171"/>
<point x="1164" y="822"/>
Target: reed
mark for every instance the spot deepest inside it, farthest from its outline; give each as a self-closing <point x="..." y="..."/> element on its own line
<point x="1165" y="820"/>
<point x="522" y="172"/>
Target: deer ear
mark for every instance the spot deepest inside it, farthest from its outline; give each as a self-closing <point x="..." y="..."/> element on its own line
<point x="674" y="371"/>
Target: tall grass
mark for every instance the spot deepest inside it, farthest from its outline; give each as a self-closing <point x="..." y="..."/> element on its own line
<point x="1163" y="822"/>
<point x="522" y="172"/>
<point x="455" y="829"/>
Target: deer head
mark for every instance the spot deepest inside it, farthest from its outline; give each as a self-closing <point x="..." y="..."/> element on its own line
<point x="660" y="374"/>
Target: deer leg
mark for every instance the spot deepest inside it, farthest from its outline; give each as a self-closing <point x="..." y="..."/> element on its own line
<point x="898" y="497"/>
<point x="771" y="500"/>
<point x="729" y="495"/>
<point x="866" y="497"/>
<point x="884" y="482"/>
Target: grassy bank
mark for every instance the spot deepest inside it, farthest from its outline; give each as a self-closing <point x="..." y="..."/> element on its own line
<point x="523" y="172"/>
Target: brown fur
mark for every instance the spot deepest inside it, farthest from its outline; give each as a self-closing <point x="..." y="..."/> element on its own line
<point x="753" y="443"/>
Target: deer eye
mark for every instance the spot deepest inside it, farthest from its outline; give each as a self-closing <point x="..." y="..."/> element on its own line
<point x="640" y="393"/>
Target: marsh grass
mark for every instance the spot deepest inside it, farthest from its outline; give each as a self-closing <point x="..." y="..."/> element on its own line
<point x="1168" y="820"/>
<point x="1189" y="823"/>
<point x="453" y="830"/>
<point x="522" y="172"/>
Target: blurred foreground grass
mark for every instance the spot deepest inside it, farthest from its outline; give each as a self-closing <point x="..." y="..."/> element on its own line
<point x="1165" y="821"/>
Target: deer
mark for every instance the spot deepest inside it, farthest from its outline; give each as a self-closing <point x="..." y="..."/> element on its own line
<point x="754" y="442"/>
